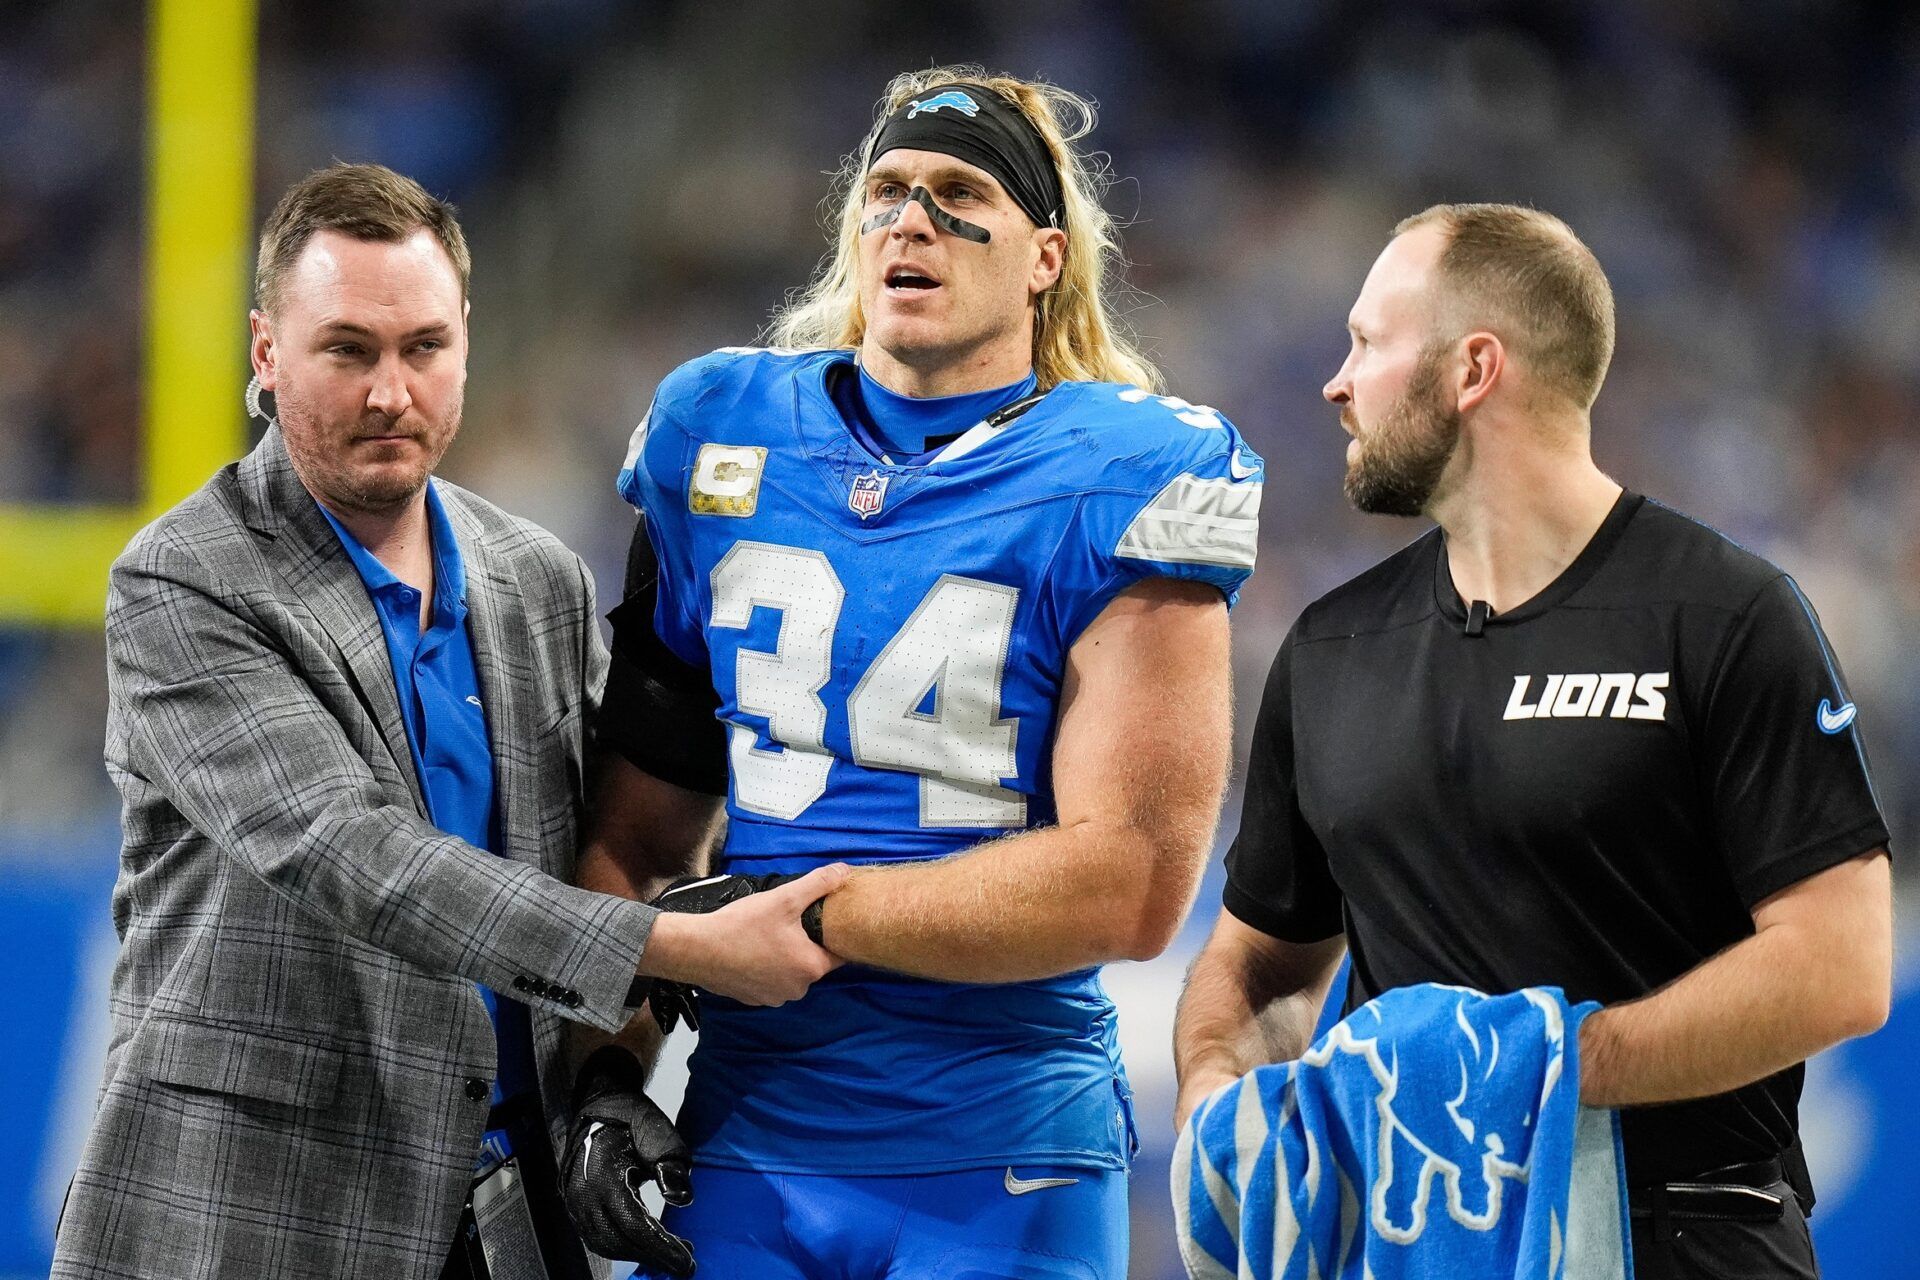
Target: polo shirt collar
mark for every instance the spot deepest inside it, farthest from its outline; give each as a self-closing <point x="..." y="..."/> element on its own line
<point x="449" y="567"/>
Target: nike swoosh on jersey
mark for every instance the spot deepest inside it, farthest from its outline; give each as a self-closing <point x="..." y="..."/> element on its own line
<point x="1832" y="720"/>
<point x="1240" y="472"/>
<point x="1020" y="1186"/>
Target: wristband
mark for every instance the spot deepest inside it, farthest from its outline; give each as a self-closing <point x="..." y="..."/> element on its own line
<point x="810" y="920"/>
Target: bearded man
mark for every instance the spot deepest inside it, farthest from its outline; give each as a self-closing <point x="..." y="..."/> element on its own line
<point x="1568" y="738"/>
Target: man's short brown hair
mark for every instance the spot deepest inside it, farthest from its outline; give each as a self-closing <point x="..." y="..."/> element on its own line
<point x="1526" y="276"/>
<point x="365" y="201"/>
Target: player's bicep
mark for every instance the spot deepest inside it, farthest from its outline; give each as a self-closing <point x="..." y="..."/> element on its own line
<point x="1145" y="723"/>
<point x="659" y="711"/>
<point x="644" y="832"/>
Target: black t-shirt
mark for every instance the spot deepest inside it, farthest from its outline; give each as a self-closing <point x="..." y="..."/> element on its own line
<point x="1592" y="793"/>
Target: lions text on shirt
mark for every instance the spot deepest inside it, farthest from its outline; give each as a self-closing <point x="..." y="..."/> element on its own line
<point x="888" y="643"/>
<point x="1593" y="792"/>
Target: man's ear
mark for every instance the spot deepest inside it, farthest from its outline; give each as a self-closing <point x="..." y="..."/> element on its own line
<point x="1050" y="261"/>
<point x="1483" y="366"/>
<point x="260" y="348"/>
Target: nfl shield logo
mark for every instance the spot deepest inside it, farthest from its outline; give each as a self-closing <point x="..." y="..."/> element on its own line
<point x="869" y="494"/>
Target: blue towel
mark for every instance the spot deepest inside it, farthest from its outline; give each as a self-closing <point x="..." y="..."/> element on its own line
<point x="1435" y="1132"/>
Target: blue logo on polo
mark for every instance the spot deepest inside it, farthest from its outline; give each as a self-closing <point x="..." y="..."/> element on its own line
<point x="1833" y="720"/>
<point x="951" y="98"/>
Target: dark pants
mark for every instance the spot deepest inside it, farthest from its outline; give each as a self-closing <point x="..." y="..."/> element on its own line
<point x="1705" y="1248"/>
<point x="560" y="1246"/>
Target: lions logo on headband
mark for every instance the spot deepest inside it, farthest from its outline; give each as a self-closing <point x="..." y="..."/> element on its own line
<point x="981" y="126"/>
<point x="951" y="98"/>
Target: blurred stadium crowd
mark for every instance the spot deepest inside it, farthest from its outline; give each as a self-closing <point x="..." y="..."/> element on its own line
<point x="641" y="182"/>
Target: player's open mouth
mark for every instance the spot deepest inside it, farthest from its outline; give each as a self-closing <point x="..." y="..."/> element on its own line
<point x="904" y="277"/>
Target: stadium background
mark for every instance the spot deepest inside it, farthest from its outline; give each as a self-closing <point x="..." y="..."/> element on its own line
<point x="640" y="181"/>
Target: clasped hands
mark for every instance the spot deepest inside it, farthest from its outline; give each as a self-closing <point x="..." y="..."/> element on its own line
<point x="754" y="939"/>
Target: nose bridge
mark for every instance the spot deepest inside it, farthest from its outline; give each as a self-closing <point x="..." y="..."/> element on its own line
<point x="389" y="392"/>
<point x="914" y="220"/>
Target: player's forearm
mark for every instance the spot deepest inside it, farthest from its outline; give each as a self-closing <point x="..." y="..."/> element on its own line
<point x="645" y="833"/>
<point x="1033" y="906"/>
<point x="1762" y="1005"/>
<point x="1139" y="765"/>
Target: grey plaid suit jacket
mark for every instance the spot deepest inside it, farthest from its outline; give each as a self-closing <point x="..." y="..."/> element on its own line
<point x="297" y="1078"/>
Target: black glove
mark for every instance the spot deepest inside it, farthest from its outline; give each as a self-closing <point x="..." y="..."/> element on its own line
<point x="619" y="1142"/>
<point x="673" y="1001"/>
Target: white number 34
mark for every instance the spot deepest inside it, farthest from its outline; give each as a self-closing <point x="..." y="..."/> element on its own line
<point x="952" y="650"/>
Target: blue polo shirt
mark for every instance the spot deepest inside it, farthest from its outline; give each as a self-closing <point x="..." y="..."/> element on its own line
<point x="446" y="724"/>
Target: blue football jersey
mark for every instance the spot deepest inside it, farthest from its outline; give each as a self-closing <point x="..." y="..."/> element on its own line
<point x="888" y="645"/>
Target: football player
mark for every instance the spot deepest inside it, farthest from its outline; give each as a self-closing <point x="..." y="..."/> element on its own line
<point x="946" y="581"/>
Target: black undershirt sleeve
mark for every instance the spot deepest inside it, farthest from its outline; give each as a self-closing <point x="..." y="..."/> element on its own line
<point x="1277" y="876"/>
<point x="658" y="710"/>
<point x="1789" y="798"/>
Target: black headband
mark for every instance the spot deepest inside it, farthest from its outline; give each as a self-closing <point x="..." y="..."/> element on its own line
<point x="972" y="123"/>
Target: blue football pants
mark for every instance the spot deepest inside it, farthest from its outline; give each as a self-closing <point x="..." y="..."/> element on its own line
<point x="977" y="1224"/>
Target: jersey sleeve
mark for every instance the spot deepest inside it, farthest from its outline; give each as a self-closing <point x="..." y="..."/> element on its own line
<point x="1186" y="506"/>
<point x="1781" y="751"/>
<point x="657" y="711"/>
<point x="1278" y="880"/>
<point x="654" y="479"/>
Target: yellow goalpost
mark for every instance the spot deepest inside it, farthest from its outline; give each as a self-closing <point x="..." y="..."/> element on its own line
<point x="199" y="206"/>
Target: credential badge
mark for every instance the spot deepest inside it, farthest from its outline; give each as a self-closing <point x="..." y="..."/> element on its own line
<point x="869" y="494"/>
<point x="726" y="480"/>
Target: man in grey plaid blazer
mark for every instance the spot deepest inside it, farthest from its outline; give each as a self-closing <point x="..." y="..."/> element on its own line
<point x="300" y="1067"/>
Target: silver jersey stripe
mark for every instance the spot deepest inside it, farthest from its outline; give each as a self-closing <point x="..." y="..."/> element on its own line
<point x="637" y="441"/>
<point x="1195" y="521"/>
<point x="976" y="435"/>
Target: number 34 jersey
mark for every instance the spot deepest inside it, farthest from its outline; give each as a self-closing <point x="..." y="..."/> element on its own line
<point x="888" y="643"/>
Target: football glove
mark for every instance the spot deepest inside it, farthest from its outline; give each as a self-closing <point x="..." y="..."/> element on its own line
<point x="619" y="1142"/>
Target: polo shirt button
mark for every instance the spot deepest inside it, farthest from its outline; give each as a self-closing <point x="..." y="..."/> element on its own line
<point x="478" y="1088"/>
<point x="520" y="983"/>
<point x="571" y="999"/>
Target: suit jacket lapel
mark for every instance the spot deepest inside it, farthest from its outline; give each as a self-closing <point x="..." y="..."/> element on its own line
<point x="307" y="554"/>
<point x="503" y="653"/>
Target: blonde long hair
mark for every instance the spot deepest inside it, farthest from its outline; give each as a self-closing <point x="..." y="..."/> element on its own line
<point x="1076" y="334"/>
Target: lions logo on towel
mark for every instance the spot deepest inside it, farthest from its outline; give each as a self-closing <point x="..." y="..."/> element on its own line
<point x="1435" y="1130"/>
